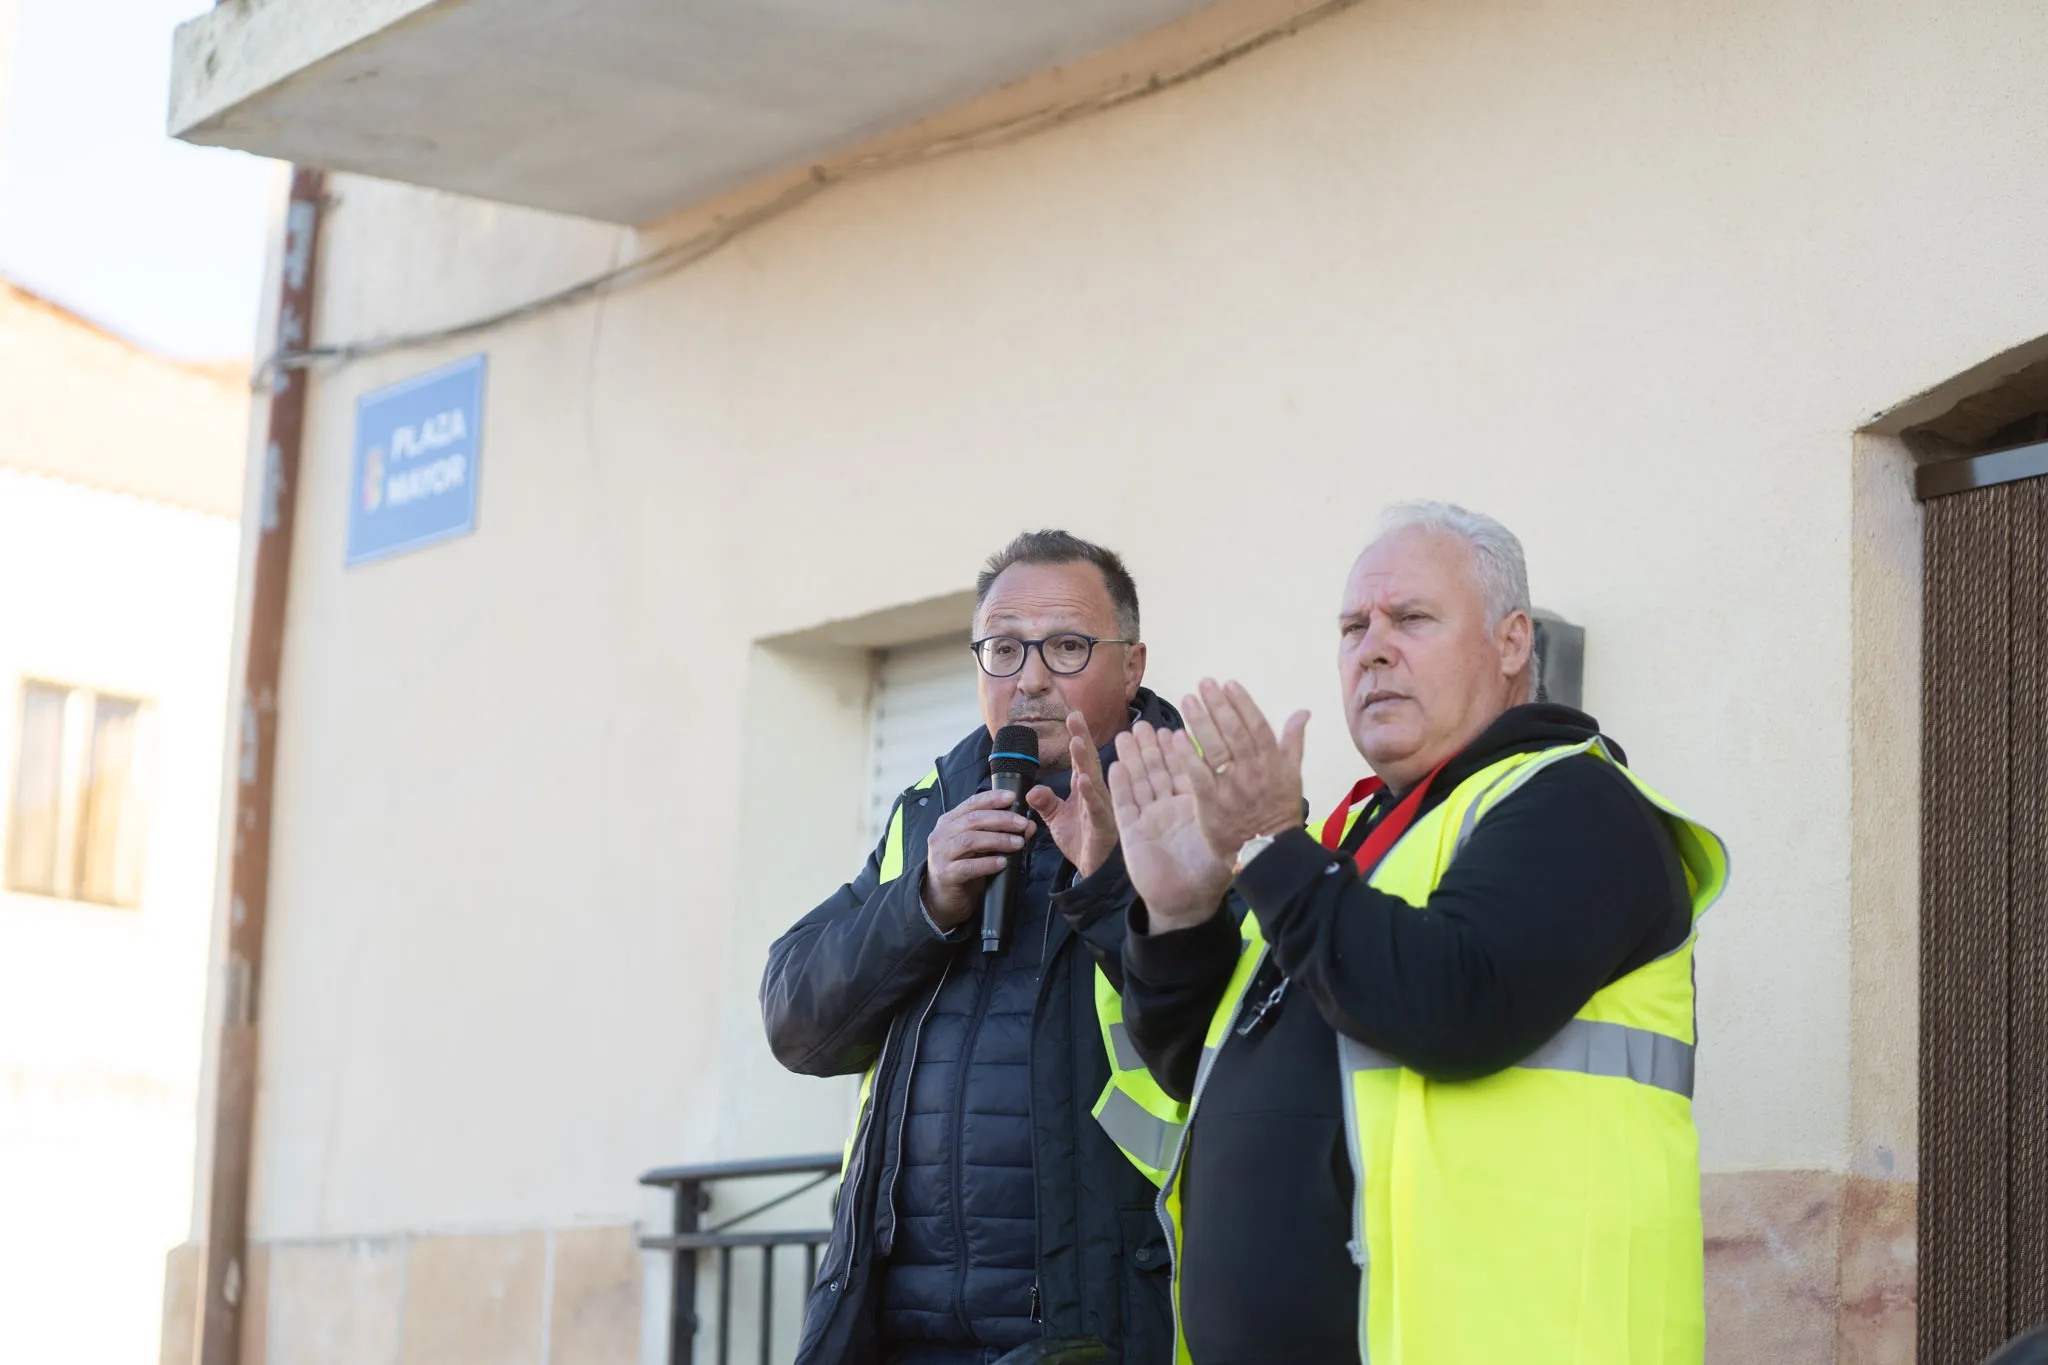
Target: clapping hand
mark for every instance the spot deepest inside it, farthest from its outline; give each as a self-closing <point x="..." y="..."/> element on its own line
<point x="1183" y="815"/>
<point x="1083" y="826"/>
<point x="1169" y="859"/>
<point x="1246" y="781"/>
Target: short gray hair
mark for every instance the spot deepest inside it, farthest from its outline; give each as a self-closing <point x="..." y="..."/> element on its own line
<point x="1497" y="560"/>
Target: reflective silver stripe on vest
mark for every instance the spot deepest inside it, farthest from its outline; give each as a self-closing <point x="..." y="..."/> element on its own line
<point x="1208" y="1060"/>
<point x="1146" y="1136"/>
<point x="1209" y="1052"/>
<point x="1515" y="777"/>
<point x="1359" y="1057"/>
<point x="1353" y="1057"/>
<point x="1597" y="1048"/>
<point x="1127" y="1058"/>
<point x="1172" y="1180"/>
<point x="1592" y="1047"/>
<point x="1165" y="1217"/>
<point x="1471" y="816"/>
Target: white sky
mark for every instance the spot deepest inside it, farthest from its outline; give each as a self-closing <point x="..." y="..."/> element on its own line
<point x="103" y="212"/>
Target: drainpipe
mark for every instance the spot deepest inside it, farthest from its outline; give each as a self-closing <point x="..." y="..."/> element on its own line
<point x="222" y="1286"/>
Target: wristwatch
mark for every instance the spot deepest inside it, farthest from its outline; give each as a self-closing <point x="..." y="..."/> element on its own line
<point x="1253" y="847"/>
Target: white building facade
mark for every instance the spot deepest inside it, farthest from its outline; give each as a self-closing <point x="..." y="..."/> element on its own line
<point x="120" y="488"/>
<point x="1659" y="288"/>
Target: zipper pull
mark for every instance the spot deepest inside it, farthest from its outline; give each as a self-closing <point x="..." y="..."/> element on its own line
<point x="1259" y="1011"/>
<point x="1035" y="1315"/>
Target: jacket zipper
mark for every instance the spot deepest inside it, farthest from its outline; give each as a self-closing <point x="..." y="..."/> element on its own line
<point x="981" y="1003"/>
<point x="917" y="1035"/>
<point x="849" y="1187"/>
<point x="1031" y="1105"/>
<point x="910" y="1074"/>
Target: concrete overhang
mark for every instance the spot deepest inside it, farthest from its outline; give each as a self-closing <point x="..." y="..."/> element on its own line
<point x="620" y="110"/>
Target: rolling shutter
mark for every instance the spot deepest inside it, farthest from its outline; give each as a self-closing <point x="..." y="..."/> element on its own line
<point x="925" y="703"/>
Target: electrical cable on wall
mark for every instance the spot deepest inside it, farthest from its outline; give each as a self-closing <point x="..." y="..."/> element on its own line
<point x="679" y="255"/>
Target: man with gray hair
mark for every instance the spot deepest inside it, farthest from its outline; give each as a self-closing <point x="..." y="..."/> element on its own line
<point x="1436" y="1082"/>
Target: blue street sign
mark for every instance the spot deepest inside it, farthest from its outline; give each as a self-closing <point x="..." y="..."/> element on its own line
<point x="417" y="449"/>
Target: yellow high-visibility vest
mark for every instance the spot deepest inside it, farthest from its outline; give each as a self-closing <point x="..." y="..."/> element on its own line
<point x="1548" y="1214"/>
<point x="1141" y="1119"/>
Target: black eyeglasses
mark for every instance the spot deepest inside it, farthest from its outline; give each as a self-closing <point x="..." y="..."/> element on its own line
<point x="1002" y="656"/>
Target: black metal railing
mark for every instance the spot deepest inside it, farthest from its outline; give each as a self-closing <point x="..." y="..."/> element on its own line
<point x="686" y="1241"/>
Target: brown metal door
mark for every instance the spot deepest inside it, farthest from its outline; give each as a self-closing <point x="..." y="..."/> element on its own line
<point x="1984" y="922"/>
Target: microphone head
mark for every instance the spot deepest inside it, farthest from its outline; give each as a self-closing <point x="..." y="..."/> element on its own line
<point x="1015" y="750"/>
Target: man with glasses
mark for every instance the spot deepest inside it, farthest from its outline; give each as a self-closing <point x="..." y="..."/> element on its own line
<point x="982" y="1208"/>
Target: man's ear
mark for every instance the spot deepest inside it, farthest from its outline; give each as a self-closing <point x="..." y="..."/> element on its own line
<point x="1517" y="643"/>
<point x="1134" y="671"/>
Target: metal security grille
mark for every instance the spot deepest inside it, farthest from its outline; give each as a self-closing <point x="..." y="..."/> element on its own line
<point x="925" y="702"/>
<point x="1984" y="922"/>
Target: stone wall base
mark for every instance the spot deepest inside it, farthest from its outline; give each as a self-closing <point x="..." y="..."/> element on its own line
<point x="567" y="1296"/>
<point x="1808" y="1268"/>
<point x="1803" y="1268"/>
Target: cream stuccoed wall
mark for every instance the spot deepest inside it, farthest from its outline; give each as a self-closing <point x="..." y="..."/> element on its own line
<point x="1628" y="278"/>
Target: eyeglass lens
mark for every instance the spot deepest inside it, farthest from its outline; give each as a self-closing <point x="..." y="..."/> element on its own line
<point x="1003" y="655"/>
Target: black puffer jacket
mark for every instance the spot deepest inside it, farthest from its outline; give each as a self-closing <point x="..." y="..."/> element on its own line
<point x="964" y="1271"/>
<point x="859" y="982"/>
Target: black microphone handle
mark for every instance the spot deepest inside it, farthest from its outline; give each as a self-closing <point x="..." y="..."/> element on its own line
<point x="999" y="901"/>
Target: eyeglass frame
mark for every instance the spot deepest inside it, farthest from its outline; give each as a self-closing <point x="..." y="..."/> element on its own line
<point x="1039" y="645"/>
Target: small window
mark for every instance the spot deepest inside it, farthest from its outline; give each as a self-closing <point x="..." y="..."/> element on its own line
<point x="79" y="815"/>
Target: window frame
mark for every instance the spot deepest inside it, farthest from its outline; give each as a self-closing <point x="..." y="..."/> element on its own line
<point x="76" y="854"/>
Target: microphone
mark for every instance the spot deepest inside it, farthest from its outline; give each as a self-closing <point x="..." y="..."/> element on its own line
<point x="1013" y="768"/>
